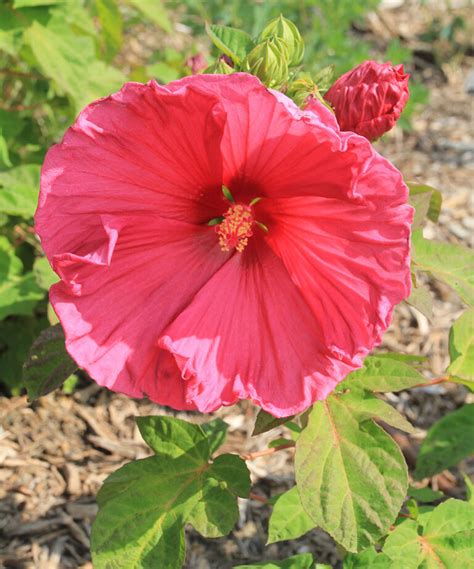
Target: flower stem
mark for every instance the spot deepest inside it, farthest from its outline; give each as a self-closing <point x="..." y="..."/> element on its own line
<point x="267" y="451"/>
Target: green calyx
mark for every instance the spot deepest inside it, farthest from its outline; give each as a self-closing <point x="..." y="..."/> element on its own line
<point x="287" y="31"/>
<point x="220" y="67"/>
<point x="268" y="60"/>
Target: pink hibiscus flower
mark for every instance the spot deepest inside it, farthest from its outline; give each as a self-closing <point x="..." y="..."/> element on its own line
<point x="216" y="243"/>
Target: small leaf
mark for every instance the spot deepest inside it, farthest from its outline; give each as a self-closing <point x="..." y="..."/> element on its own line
<point x="144" y="506"/>
<point x="427" y="203"/>
<point x="288" y="519"/>
<point x="234" y="43"/>
<point x="367" y="406"/>
<point x="452" y="264"/>
<point x="155" y="11"/>
<point x="302" y="561"/>
<point x="425" y="495"/>
<point x="381" y="374"/>
<point x="421" y="299"/>
<point x="350" y="474"/>
<point x="44" y="274"/>
<point x="469" y="489"/>
<point x="48" y="364"/>
<point x="19" y="189"/>
<point x="461" y="347"/>
<point x="19" y="292"/>
<point x="450" y="440"/>
<point x="266" y="422"/>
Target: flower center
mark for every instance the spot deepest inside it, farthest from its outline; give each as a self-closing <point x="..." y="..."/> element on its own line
<point x="236" y="227"/>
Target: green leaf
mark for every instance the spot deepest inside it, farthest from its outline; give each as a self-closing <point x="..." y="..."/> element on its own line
<point x="426" y="494"/>
<point x="302" y="561"/>
<point x="19" y="189"/>
<point x="144" y="506"/>
<point x="31" y="3"/>
<point x="171" y="438"/>
<point x="382" y="374"/>
<point x="421" y="299"/>
<point x="469" y="489"/>
<point x="4" y="154"/>
<point x="266" y="422"/>
<point x="427" y="203"/>
<point x="365" y="559"/>
<point x="102" y="80"/>
<point x="48" y="364"/>
<point x="449" y="440"/>
<point x="365" y="406"/>
<point x="452" y="264"/>
<point x="19" y="292"/>
<point x="288" y="519"/>
<point x="461" y="347"/>
<point x="111" y="24"/>
<point x="16" y="336"/>
<point x="44" y="274"/>
<point x="216" y="432"/>
<point x="445" y="540"/>
<point x="234" y="43"/>
<point x="350" y="474"/>
<point x="154" y="11"/>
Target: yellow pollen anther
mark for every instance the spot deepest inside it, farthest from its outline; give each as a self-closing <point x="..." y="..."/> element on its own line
<point x="236" y="228"/>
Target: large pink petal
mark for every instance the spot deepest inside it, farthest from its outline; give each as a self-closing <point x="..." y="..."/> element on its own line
<point x="351" y="263"/>
<point x="250" y="334"/>
<point x="271" y="148"/>
<point x="115" y="303"/>
<point x="142" y="150"/>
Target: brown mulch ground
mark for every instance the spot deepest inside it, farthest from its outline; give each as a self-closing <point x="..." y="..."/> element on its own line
<point x="55" y="454"/>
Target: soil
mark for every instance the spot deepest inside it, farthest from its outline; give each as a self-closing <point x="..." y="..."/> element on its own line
<point x="56" y="452"/>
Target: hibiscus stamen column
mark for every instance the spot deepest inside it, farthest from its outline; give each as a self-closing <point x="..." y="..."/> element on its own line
<point x="236" y="228"/>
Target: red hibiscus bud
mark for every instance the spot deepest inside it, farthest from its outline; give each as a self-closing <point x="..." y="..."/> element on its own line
<point x="370" y="98"/>
<point x="196" y="63"/>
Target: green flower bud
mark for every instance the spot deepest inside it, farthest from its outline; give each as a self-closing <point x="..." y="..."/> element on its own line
<point x="287" y="31"/>
<point x="302" y="89"/>
<point x="268" y="61"/>
<point x="220" y="67"/>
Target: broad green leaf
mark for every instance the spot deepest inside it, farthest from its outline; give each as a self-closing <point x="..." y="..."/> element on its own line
<point x="144" y="506"/>
<point x="452" y="264"/>
<point x="216" y="432"/>
<point x="427" y="203"/>
<point x="288" y="519"/>
<point x="19" y="292"/>
<point x="421" y="299"/>
<point x="350" y="474"/>
<point x="111" y="24"/>
<point x="44" y="274"/>
<point x="426" y="494"/>
<point x="48" y="364"/>
<point x="366" y="406"/>
<point x="155" y="11"/>
<point x="381" y="374"/>
<point x="302" y="561"/>
<point x="449" y="440"/>
<point x="445" y="539"/>
<point x="369" y="558"/>
<point x="234" y="43"/>
<point x="63" y="57"/>
<point x="10" y="122"/>
<point x="461" y="347"/>
<point x="266" y="422"/>
<point x="403" y="546"/>
<point x="19" y="189"/>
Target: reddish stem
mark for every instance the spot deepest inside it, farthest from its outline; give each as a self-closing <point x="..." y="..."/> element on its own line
<point x="435" y="381"/>
<point x="258" y="498"/>
<point x="267" y="451"/>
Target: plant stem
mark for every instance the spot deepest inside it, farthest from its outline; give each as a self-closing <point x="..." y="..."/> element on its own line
<point x="267" y="451"/>
<point x="258" y="498"/>
<point x="435" y="381"/>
